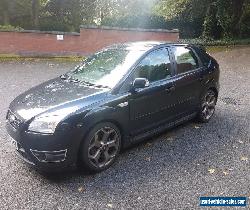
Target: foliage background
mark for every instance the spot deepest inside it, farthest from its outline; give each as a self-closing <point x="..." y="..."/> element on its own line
<point x="206" y="19"/>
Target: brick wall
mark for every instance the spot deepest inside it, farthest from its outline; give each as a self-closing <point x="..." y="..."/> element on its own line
<point x="90" y="39"/>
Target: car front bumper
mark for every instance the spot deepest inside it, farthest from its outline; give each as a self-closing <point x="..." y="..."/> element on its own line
<point x="47" y="153"/>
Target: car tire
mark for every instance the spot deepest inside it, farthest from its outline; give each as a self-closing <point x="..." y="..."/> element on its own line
<point x="207" y="106"/>
<point x="100" y="148"/>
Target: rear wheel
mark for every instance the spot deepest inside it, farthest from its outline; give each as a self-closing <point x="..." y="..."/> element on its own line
<point x="207" y="107"/>
<point x="101" y="147"/>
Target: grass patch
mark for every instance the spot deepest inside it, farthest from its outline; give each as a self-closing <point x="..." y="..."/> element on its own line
<point x="215" y="49"/>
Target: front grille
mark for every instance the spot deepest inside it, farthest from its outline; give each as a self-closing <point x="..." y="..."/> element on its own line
<point x="13" y="120"/>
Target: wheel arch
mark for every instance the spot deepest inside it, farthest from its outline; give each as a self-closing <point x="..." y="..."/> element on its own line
<point x="108" y="120"/>
<point x="82" y="152"/>
<point x="215" y="90"/>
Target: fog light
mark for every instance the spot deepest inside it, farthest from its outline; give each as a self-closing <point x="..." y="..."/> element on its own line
<point x="50" y="156"/>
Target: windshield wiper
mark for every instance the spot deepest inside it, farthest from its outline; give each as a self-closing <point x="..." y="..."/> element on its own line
<point x="64" y="76"/>
<point x="87" y="83"/>
<point x="69" y="78"/>
<point x="95" y="85"/>
<point x="102" y="86"/>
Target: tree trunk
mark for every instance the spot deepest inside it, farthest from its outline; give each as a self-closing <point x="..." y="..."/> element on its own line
<point x="35" y="13"/>
<point x="238" y="12"/>
<point x="5" y="10"/>
<point x="6" y="19"/>
<point x="210" y="24"/>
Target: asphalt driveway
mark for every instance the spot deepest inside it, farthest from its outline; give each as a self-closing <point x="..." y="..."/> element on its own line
<point x="170" y="171"/>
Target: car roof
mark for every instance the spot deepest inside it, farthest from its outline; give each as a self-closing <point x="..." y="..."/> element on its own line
<point x="143" y="45"/>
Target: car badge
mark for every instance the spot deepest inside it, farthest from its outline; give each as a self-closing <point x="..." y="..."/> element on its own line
<point x="12" y="118"/>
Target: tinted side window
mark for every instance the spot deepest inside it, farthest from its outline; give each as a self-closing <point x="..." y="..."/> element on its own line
<point x="155" y="66"/>
<point x="204" y="56"/>
<point x="185" y="60"/>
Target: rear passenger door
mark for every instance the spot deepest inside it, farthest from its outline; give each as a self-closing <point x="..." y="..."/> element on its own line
<point x="187" y="80"/>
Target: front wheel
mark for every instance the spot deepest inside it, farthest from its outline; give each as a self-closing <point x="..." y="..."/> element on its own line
<point x="207" y="107"/>
<point x="100" y="148"/>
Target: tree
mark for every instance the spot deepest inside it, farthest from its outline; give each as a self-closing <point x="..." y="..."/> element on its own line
<point x="214" y="15"/>
<point x="230" y="13"/>
<point x="35" y="13"/>
<point x="194" y="18"/>
<point x="4" y="9"/>
<point x="211" y="27"/>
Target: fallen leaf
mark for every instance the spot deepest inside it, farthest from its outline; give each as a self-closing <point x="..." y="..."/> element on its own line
<point x="148" y="144"/>
<point x="170" y="139"/>
<point x="211" y="170"/>
<point x="241" y="142"/>
<point x="110" y="205"/>
<point x="244" y="158"/>
<point x="80" y="189"/>
<point x="225" y="173"/>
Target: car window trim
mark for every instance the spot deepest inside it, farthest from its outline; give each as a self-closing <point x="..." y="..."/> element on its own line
<point x="188" y="72"/>
<point x="158" y="82"/>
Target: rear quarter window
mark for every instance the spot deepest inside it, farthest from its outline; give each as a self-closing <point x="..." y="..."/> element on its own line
<point x="203" y="55"/>
<point x="185" y="59"/>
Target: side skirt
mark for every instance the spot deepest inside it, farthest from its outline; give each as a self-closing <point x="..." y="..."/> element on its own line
<point x="161" y="128"/>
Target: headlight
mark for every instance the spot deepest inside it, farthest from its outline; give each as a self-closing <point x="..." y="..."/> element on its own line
<point x="47" y="123"/>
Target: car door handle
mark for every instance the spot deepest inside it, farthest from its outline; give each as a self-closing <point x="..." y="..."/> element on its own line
<point x="170" y="89"/>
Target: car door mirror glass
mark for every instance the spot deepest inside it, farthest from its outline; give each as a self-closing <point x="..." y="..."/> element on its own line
<point x="140" y="83"/>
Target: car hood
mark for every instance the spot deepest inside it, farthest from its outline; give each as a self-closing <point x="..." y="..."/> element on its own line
<point x="54" y="93"/>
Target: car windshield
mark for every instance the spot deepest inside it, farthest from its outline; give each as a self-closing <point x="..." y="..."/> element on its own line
<point x="106" y="67"/>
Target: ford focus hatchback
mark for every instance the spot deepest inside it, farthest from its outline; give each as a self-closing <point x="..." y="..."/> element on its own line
<point x="115" y="98"/>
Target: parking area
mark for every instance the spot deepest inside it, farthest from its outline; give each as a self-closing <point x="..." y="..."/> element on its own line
<point x="170" y="171"/>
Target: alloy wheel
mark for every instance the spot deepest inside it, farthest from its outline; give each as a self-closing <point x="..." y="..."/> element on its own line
<point x="103" y="147"/>
<point x="208" y="106"/>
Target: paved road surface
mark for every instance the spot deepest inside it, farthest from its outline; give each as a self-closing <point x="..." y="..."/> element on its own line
<point x="170" y="171"/>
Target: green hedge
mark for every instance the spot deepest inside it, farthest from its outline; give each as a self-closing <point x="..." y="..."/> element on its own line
<point x="10" y="28"/>
<point x="221" y="42"/>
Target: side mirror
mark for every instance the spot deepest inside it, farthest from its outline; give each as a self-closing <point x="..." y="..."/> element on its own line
<point x="140" y="83"/>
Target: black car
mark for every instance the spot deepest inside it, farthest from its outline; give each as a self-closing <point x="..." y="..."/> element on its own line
<point x="115" y="98"/>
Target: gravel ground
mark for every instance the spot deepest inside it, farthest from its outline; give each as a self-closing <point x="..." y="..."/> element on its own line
<point x="170" y="171"/>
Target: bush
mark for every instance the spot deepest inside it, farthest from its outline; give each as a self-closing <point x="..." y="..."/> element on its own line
<point x="187" y="28"/>
<point x="244" y="24"/>
<point x="137" y="21"/>
<point x="52" y="24"/>
<point x="10" y="28"/>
